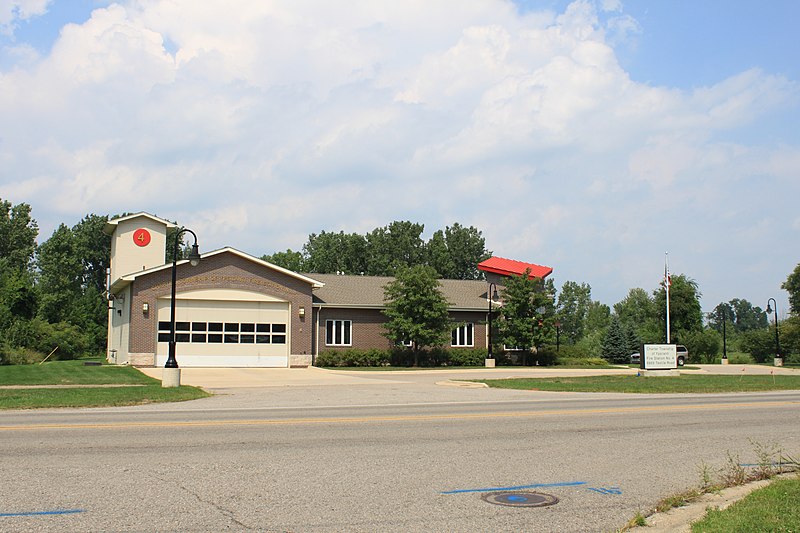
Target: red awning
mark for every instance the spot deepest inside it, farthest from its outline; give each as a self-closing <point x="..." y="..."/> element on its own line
<point x="509" y="267"/>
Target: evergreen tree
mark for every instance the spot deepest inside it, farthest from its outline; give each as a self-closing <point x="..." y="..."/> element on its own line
<point x="615" y="344"/>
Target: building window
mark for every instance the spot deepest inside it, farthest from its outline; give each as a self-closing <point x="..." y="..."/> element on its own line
<point x="338" y="332"/>
<point x="462" y="336"/>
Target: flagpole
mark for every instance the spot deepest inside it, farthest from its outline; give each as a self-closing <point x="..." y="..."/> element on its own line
<point x="667" y="283"/>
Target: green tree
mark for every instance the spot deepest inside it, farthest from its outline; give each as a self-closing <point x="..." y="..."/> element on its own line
<point x="72" y="268"/>
<point x="792" y="286"/>
<point x="289" y="260"/>
<point x="527" y="313"/>
<point x="456" y="252"/>
<point x="638" y="310"/>
<point x="416" y="309"/>
<point x="393" y="247"/>
<point x="573" y="309"/>
<point x="703" y="345"/>
<point x="740" y="315"/>
<point x="615" y="343"/>
<point x="685" y="312"/>
<point x="330" y="253"/>
<point x="18" y="233"/>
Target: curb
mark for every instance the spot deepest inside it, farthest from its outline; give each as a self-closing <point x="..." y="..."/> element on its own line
<point x="462" y="384"/>
<point x="680" y="519"/>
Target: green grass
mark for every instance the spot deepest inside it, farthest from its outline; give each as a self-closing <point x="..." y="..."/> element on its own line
<point x="70" y="373"/>
<point x="476" y="367"/>
<point x="140" y="389"/>
<point x="651" y="385"/>
<point x="771" y="509"/>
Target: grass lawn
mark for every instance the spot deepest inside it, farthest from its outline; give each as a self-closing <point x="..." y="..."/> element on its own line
<point x="773" y="508"/>
<point x="128" y="386"/>
<point x="477" y="367"/>
<point x="651" y="385"/>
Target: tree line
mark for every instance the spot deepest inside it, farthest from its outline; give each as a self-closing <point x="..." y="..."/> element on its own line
<point x="53" y="294"/>
<point x="452" y="253"/>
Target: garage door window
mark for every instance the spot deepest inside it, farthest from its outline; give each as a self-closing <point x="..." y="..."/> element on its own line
<point x="338" y="332"/>
<point x="228" y="332"/>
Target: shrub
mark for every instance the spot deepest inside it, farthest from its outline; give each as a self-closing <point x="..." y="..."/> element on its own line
<point x="759" y="343"/>
<point x="704" y="346"/>
<point x="43" y="336"/>
<point x="353" y="357"/>
<point x="466" y="357"/>
<point x="19" y="356"/>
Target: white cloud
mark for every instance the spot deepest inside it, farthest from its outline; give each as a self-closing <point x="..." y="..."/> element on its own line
<point x="259" y="123"/>
<point x="12" y="11"/>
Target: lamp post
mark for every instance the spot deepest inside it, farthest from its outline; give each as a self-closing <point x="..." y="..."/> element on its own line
<point x="558" y="337"/>
<point x="172" y="374"/>
<point x="492" y="294"/>
<point x="778" y="356"/>
<point x="724" y="338"/>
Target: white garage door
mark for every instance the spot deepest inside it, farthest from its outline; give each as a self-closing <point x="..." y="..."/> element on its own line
<point x="231" y="333"/>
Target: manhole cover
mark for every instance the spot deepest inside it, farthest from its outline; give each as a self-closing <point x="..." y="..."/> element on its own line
<point x="520" y="499"/>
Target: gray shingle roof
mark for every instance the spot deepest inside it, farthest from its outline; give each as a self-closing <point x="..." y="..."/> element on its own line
<point x="367" y="291"/>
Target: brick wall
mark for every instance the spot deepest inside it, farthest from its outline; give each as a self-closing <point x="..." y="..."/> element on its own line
<point x="222" y="271"/>
<point x="367" y="331"/>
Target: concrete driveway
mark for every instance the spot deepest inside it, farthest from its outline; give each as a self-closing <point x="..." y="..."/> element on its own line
<point x="236" y="378"/>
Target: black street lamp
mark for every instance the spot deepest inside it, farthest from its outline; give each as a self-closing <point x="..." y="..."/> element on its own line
<point x="194" y="260"/>
<point x="492" y="294"/>
<point x="724" y="338"/>
<point x="778" y="355"/>
<point x="558" y="336"/>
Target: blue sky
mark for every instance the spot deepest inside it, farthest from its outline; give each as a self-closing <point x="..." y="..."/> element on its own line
<point x="590" y="136"/>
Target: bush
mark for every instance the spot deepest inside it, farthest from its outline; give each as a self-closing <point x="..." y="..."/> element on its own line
<point x="582" y="361"/>
<point x="704" y="346"/>
<point x="358" y="358"/>
<point x="19" y="356"/>
<point x="740" y="358"/>
<point x="43" y="336"/>
<point x="467" y="357"/>
<point x="759" y="343"/>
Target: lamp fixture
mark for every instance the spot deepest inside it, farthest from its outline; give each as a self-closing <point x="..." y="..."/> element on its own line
<point x="145" y="307"/>
<point x="302" y="311"/>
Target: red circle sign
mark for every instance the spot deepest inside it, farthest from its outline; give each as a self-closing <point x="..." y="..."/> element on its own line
<point x="141" y="237"/>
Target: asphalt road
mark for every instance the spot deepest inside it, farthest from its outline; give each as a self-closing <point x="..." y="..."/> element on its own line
<point x="400" y="455"/>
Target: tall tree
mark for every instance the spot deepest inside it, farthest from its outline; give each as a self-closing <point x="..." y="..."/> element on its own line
<point x="792" y="286"/>
<point x="18" y="233"/>
<point x="289" y="260"/>
<point x="394" y="246"/>
<point x="740" y="316"/>
<point x="638" y="309"/>
<point x="573" y="308"/>
<point x="416" y="309"/>
<point x="329" y="253"/>
<point x="685" y="312"/>
<point x="456" y="252"/>
<point x="526" y="315"/>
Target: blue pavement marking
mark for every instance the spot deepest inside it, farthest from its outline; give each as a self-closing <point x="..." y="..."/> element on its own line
<point x="43" y="513"/>
<point x="520" y="487"/>
<point x="606" y="490"/>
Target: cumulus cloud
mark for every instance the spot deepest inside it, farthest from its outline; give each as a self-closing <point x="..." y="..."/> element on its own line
<point x="259" y="123"/>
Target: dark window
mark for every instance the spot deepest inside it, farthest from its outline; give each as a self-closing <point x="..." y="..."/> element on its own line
<point x="262" y="328"/>
<point x="247" y="339"/>
<point x="278" y="328"/>
<point x="248" y="328"/>
<point x="337" y="333"/>
<point x="231" y="338"/>
<point x="198" y="326"/>
<point x="215" y="326"/>
<point x="262" y="339"/>
<point x="198" y="337"/>
<point x="215" y="337"/>
<point x="181" y="326"/>
<point x="230" y="327"/>
<point x="163" y="326"/>
<point x="181" y="337"/>
<point x="163" y="337"/>
<point x="279" y="339"/>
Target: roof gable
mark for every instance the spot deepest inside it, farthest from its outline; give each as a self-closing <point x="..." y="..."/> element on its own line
<point x="111" y="225"/>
